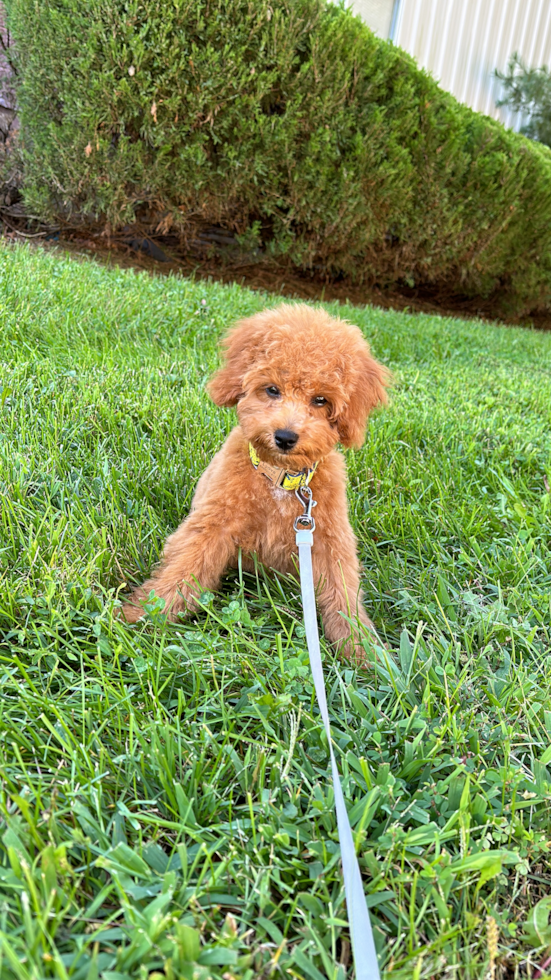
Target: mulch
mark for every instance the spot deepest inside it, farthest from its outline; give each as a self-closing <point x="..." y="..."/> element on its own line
<point x="212" y="257"/>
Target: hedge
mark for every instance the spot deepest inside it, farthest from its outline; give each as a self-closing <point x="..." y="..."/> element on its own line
<point x="286" y="121"/>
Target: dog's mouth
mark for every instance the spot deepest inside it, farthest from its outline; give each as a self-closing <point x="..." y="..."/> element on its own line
<point x="286" y="453"/>
<point x="294" y="458"/>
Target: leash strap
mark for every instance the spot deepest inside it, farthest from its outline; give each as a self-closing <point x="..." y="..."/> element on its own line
<point x="361" y="935"/>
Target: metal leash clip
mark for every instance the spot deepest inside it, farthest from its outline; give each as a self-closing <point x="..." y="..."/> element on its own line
<point x="305" y="522"/>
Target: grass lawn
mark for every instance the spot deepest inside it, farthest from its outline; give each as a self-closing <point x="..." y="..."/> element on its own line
<point x="165" y="798"/>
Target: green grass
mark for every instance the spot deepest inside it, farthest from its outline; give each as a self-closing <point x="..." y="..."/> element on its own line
<point x="166" y="803"/>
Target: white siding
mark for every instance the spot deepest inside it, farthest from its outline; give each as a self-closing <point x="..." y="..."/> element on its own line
<point x="377" y="14"/>
<point x="462" y="42"/>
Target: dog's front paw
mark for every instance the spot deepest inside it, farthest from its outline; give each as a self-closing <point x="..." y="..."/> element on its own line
<point x="352" y="649"/>
<point x="357" y="643"/>
<point x="170" y="601"/>
<point x="131" y="612"/>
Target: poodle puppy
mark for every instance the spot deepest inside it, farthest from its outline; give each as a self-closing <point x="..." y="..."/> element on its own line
<point x="302" y="381"/>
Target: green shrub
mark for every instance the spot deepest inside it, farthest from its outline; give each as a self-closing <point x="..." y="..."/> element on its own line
<point x="287" y="121"/>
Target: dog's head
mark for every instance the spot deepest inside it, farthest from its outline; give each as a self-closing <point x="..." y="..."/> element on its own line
<point x="302" y="381"/>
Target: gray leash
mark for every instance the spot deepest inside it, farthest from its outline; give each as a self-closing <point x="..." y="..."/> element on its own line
<point x="361" y="935"/>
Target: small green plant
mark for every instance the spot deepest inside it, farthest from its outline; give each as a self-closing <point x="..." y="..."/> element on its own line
<point x="528" y="91"/>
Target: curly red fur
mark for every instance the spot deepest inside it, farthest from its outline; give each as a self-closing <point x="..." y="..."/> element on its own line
<point x="304" y="354"/>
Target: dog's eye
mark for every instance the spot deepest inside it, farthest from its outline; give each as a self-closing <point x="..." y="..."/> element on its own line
<point x="319" y="400"/>
<point x="273" y="391"/>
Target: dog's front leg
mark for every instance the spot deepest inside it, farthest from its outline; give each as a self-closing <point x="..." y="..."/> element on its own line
<point x="337" y="573"/>
<point x="194" y="560"/>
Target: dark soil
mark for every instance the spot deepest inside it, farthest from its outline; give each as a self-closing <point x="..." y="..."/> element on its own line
<point x="213" y="256"/>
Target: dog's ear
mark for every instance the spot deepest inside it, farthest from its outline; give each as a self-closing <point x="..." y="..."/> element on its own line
<point x="240" y="348"/>
<point x="366" y="391"/>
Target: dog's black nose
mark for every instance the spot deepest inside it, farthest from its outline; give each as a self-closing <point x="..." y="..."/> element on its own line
<point x="285" y="439"/>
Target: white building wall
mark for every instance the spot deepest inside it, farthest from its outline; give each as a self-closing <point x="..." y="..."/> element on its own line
<point x="462" y="42"/>
<point x="377" y="14"/>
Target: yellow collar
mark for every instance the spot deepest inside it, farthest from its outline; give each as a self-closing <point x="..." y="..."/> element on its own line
<point x="281" y="478"/>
